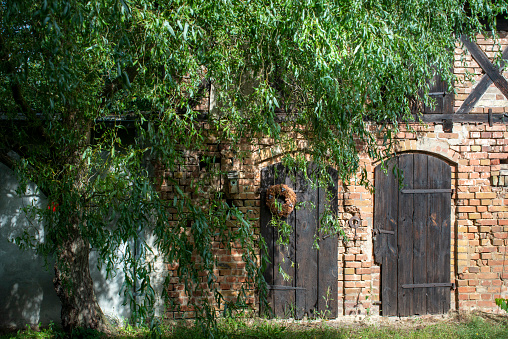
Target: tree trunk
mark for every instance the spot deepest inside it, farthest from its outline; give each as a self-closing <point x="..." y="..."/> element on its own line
<point x="74" y="286"/>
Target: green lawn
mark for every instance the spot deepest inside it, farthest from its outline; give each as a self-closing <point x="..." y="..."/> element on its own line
<point x="470" y="326"/>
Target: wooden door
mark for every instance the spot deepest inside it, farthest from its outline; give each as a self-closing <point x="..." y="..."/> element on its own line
<point x="313" y="275"/>
<point x="444" y="99"/>
<point x="412" y="235"/>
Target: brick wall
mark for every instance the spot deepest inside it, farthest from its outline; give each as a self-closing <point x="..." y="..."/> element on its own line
<point x="479" y="232"/>
<point x="478" y="156"/>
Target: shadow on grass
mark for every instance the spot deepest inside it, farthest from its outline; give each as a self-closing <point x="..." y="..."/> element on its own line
<point x="464" y="326"/>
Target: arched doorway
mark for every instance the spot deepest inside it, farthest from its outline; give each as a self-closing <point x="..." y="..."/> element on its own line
<point x="412" y="234"/>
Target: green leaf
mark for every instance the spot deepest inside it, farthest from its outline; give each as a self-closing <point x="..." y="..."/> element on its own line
<point x="185" y="29"/>
<point x="169" y="28"/>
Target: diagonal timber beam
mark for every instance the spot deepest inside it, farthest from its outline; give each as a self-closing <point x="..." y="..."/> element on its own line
<point x="492" y="75"/>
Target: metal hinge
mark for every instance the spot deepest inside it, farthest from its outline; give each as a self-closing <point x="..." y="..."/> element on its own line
<point x="436" y="94"/>
<point x="281" y="287"/>
<point x="377" y="231"/>
<point x="451" y="285"/>
<point x="426" y="190"/>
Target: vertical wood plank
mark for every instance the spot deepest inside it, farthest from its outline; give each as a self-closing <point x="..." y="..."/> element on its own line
<point x="386" y="207"/>
<point x="420" y="234"/>
<point x="448" y="102"/>
<point x="435" y="87"/>
<point x="444" y="257"/>
<point x="438" y="87"/>
<point x="433" y="239"/>
<point x="381" y="183"/>
<point x="267" y="232"/>
<point x="405" y="238"/>
<point x="440" y="177"/>
<point x="327" y="256"/>
<point x="439" y="236"/>
<point x="284" y="258"/>
<point x="306" y="255"/>
<point x="444" y="102"/>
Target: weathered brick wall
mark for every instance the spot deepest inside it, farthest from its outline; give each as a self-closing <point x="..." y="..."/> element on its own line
<point x="479" y="232"/>
<point x="478" y="156"/>
<point x="477" y="153"/>
<point x="205" y="165"/>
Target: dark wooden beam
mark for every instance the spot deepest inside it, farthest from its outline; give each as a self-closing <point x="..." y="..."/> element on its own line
<point x="484" y="62"/>
<point x="493" y="75"/>
<point x="472" y="118"/>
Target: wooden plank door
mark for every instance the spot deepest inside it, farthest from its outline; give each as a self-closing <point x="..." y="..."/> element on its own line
<point x="412" y="235"/>
<point x="313" y="275"/>
<point x="444" y="99"/>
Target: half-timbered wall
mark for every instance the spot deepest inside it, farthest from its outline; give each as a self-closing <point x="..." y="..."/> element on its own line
<point x="471" y="75"/>
<point x="476" y="152"/>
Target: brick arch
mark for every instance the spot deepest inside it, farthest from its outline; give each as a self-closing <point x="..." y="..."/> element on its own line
<point x="445" y="157"/>
<point x="435" y="147"/>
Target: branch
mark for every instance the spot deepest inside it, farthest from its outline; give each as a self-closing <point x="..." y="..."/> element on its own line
<point x="17" y="92"/>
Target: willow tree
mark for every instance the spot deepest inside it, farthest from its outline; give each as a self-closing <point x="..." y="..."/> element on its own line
<point x="70" y="69"/>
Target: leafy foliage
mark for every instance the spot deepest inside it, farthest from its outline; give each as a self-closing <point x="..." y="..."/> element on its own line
<point x="502" y="303"/>
<point x="74" y="74"/>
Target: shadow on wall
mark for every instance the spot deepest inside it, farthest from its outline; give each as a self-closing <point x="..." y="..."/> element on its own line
<point x="27" y="296"/>
<point x="109" y="292"/>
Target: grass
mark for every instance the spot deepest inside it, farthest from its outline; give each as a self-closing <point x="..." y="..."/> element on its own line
<point x="467" y="327"/>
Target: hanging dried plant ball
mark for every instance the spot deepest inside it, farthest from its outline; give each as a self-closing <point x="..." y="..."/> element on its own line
<point x="289" y="200"/>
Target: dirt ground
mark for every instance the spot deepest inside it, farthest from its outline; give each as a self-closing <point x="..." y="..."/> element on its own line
<point x="412" y="322"/>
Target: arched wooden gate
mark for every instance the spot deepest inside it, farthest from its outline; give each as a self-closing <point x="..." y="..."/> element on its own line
<point x="412" y="235"/>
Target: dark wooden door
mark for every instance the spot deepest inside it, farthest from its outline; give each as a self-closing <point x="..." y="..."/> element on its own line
<point x="313" y="274"/>
<point x="444" y="99"/>
<point x="412" y="235"/>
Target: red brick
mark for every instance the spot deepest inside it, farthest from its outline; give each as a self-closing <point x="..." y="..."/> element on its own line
<point x="488" y="222"/>
<point x="485" y="296"/>
<point x="355" y="264"/>
<point x="487" y="304"/>
<point x="363" y="271"/>
<point x="500" y="235"/>
<point x="487" y="276"/>
<point x="466" y="289"/>
<point x="466" y="209"/>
